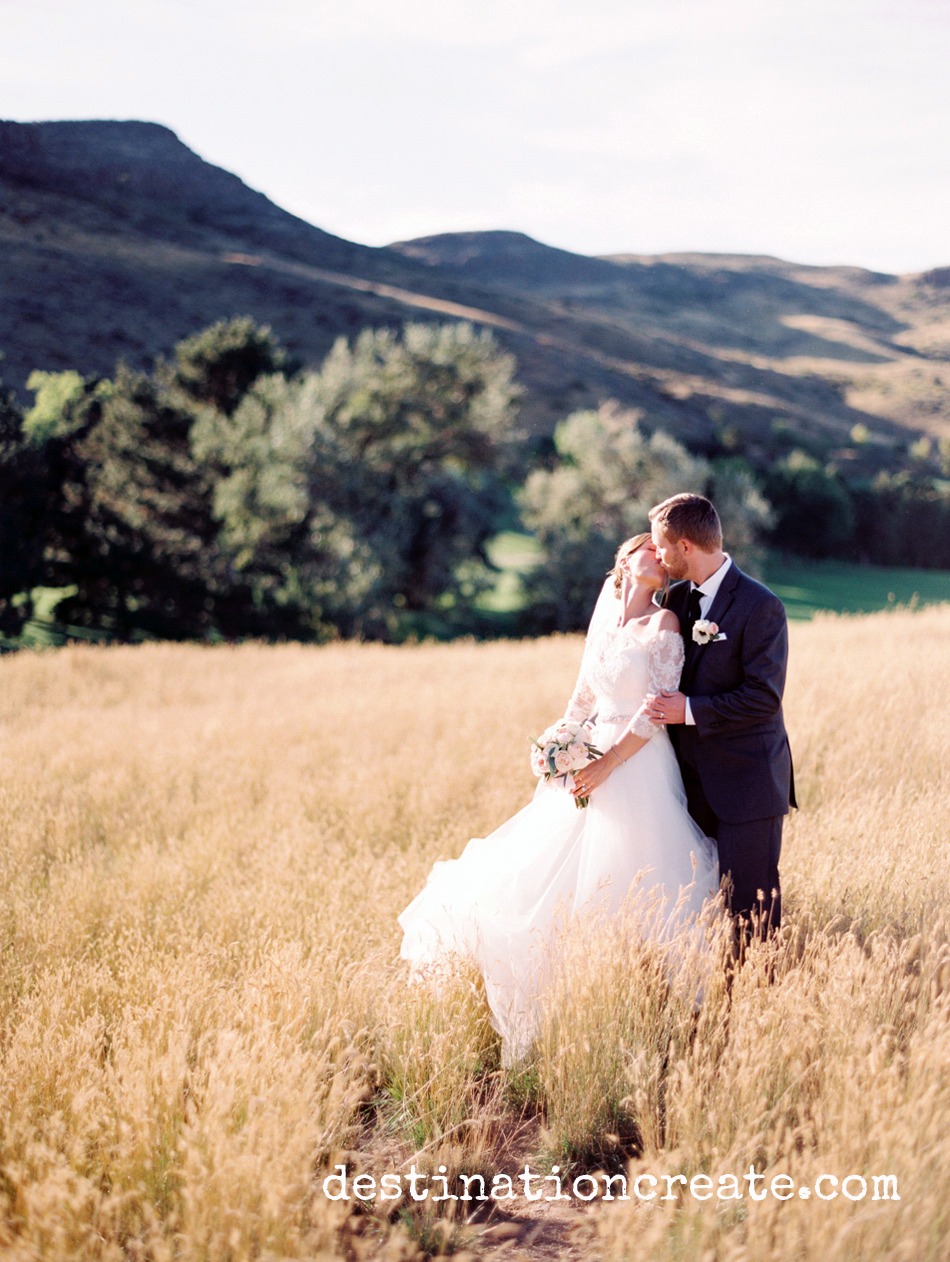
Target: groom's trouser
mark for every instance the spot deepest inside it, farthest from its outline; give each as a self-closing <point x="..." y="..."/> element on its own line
<point x="748" y="856"/>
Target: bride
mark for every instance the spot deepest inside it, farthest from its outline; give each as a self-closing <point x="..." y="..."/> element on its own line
<point x="635" y="844"/>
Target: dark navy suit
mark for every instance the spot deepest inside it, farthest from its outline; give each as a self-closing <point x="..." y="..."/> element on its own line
<point x="736" y="762"/>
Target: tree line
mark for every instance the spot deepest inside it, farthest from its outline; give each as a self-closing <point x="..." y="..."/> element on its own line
<point x="224" y="495"/>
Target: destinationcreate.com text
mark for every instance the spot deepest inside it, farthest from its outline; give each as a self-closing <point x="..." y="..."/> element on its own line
<point x="531" y="1185"/>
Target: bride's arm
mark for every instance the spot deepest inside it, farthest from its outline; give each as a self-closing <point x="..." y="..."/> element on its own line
<point x="667" y="654"/>
<point x="581" y="705"/>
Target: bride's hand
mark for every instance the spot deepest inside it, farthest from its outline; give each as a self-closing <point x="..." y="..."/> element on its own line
<point x="593" y="775"/>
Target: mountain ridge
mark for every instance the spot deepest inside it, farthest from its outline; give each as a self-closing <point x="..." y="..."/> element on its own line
<point x="116" y="240"/>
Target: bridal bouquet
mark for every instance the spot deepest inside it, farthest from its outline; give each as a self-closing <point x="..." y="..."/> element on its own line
<point x="560" y="750"/>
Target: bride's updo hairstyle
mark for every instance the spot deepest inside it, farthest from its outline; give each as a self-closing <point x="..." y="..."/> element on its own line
<point x="627" y="548"/>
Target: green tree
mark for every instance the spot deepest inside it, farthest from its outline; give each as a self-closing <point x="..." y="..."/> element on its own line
<point x="814" y="513"/>
<point x="413" y="441"/>
<point x="305" y="571"/>
<point x="902" y="519"/>
<point x="21" y="518"/>
<point x="607" y="477"/>
<point x="129" y="521"/>
<point x="218" y="365"/>
<point x="744" y="511"/>
<point x="55" y="394"/>
<point x="357" y="494"/>
<point x="216" y="497"/>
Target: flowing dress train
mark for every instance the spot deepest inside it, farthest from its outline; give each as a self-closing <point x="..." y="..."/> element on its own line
<point x="501" y="901"/>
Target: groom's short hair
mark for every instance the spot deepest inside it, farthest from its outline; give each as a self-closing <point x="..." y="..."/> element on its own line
<point x="689" y="517"/>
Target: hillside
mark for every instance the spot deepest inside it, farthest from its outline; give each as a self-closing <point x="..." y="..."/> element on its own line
<point x="116" y="241"/>
<point x="741" y="339"/>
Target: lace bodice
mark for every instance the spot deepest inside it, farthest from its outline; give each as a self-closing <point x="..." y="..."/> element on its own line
<point x="619" y="670"/>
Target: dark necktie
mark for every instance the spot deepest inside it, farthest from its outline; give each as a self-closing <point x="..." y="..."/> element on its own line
<point x="692" y="613"/>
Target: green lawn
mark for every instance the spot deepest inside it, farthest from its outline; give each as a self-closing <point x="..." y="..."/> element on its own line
<point x="514" y="554"/>
<point x="807" y="587"/>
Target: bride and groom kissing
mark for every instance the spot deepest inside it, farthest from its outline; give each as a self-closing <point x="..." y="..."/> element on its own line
<point x="680" y="690"/>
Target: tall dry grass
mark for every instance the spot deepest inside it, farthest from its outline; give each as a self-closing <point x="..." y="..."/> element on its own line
<point x="201" y="1010"/>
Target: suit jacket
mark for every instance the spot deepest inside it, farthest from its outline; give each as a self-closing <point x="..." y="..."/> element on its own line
<point x="738" y="748"/>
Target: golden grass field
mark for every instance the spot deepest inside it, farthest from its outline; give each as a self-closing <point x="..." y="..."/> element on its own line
<point x="202" y="1010"/>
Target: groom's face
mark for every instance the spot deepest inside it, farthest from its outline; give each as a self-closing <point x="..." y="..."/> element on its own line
<point x="670" y="553"/>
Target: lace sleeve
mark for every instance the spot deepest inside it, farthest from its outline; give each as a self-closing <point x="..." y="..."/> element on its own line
<point x="666" y="665"/>
<point x="581" y="705"/>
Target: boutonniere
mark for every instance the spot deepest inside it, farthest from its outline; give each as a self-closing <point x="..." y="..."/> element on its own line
<point x="705" y="632"/>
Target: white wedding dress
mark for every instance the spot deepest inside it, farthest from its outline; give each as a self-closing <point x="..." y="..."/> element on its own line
<point x="501" y="901"/>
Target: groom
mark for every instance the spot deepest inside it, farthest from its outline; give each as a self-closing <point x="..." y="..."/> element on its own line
<point x="726" y="722"/>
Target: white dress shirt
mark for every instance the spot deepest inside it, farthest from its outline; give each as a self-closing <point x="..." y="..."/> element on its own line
<point x="707" y="594"/>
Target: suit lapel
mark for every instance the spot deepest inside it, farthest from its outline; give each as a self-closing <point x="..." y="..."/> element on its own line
<point x="726" y="594"/>
<point x="717" y="610"/>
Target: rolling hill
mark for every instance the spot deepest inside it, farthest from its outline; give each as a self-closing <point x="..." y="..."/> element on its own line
<point x="116" y="241"/>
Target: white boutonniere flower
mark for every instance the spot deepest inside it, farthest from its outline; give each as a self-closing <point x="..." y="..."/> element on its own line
<point x="705" y="632"/>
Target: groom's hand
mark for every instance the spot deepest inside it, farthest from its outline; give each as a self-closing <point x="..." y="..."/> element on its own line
<point x="668" y="707"/>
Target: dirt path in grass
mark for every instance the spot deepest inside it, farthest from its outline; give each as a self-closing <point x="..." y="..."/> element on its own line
<point x="519" y="1229"/>
<point x="535" y="1231"/>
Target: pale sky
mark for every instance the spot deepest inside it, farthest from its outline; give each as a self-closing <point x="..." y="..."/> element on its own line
<point x="815" y="130"/>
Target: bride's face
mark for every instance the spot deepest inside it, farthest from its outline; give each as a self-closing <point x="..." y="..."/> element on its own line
<point x="643" y="566"/>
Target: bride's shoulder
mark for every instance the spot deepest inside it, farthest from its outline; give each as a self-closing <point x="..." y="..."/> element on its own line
<point x="665" y="620"/>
